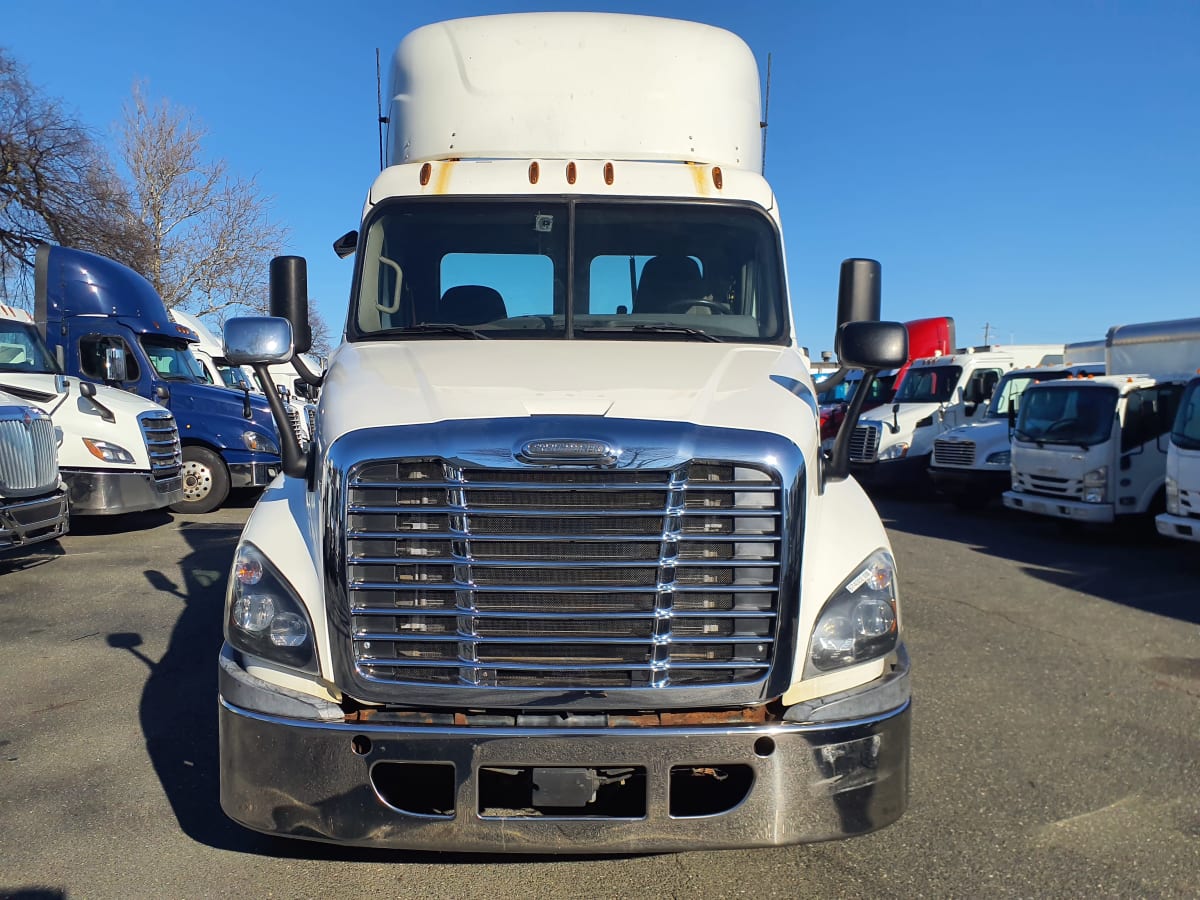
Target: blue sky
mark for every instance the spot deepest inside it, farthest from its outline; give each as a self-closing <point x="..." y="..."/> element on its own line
<point x="1029" y="166"/>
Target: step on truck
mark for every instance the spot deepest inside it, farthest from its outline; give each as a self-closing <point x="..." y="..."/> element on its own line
<point x="33" y="498"/>
<point x="584" y="582"/>
<point x="1094" y="449"/>
<point x="118" y="453"/>
<point x="1182" y="516"/>
<point x="971" y="464"/>
<point x="106" y="324"/>
<point x="892" y="446"/>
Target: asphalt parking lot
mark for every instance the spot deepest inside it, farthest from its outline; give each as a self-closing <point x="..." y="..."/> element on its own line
<point x="1056" y="744"/>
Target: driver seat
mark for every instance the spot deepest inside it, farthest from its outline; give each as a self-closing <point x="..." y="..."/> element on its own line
<point x="667" y="281"/>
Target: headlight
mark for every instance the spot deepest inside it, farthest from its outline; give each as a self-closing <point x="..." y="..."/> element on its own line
<point x="260" y="442"/>
<point x="859" y="622"/>
<point x="925" y="422"/>
<point x="109" y="452"/>
<point x="263" y="615"/>
<point x="1173" y="496"/>
<point x="999" y="458"/>
<point x="896" y="451"/>
<point x="1095" y="485"/>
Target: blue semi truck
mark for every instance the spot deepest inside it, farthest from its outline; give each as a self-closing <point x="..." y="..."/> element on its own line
<point x="107" y="324"/>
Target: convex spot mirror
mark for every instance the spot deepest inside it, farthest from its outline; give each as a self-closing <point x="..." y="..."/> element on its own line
<point x="258" y="339"/>
<point x="872" y="345"/>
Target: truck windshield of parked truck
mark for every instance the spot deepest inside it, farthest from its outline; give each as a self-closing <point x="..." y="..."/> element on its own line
<point x="172" y="361"/>
<point x="583" y="270"/>
<point x="23" y="350"/>
<point x="1186" y="433"/>
<point x="1012" y="386"/>
<point x="1080" y="415"/>
<point x="929" y="384"/>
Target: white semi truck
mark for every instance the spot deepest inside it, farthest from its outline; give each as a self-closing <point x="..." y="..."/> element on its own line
<point x="564" y="568"/>
<point x="892" y="445"/>
<point x="1094" y="450"/>
<point x="1182" y="516"/>
<point x="970" y="465"/>
<point x="119" y="453"/>
<point x="33" y="498"/>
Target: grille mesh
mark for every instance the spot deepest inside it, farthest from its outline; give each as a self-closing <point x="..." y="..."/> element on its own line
<point x="864" y="443"/>
<point x="28" y="451"/>
<point x="162" y="443"/>
<point x="559" y="578"/>
<point x="954" y="453"/>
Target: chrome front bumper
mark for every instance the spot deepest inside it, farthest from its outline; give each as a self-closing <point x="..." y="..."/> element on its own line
<point x="113" y="493"/>
<point x="252" y="474"/>
<point x="25" y="522"/>
<point x="287" y="772"/>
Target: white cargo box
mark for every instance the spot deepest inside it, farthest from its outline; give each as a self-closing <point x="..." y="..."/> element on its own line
<point x="1164" y="350"/>
<point x="575" y="86"/>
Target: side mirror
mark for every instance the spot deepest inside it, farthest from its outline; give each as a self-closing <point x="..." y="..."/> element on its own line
<point x="302" y="389"/>
<point x="115" y="368"/>
<point x="872" y="345"/>
<point x="258" y="339"/>
<point x="346" y="245"/>
<point x="289" y="297"/>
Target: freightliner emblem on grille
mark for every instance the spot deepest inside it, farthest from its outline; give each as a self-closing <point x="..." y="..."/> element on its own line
<point x="568" y="451"/>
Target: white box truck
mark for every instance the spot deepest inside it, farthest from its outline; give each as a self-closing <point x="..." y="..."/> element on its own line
<point x="892" y="445"/>
<point x="1182" y="516"/>
<point x="564" y="568"/>
<point x="118" y="453"/>
<point x="1094" y="450"/>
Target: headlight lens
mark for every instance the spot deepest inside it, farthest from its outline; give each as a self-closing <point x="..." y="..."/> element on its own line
<point x="896" y="451"/>
<point x="260" y="442"/>
<point x="264" y="617"/>
<point x="859" y="622"/>
<point x="999" y="458"/>
<point x="109" y="452"/>
<point x="1095" y="485"/>
<point x="1173" y="496"/>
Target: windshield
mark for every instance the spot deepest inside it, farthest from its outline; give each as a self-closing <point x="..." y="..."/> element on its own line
<point x="881" y="389"/>
<point x="1186" y="433"/>
<point x="1076" y="414"/>
<point x="23" y="350"/>
<point x="502" y="269"/>
<point x="929" y="384"/>
<point x="233" y="376"/>
<point x="1012" y="386"/>
<point x="172" y="361"/>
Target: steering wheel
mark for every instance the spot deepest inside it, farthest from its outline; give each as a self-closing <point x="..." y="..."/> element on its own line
<point x="682" y="306"/>
<point x="1061" y="426"/>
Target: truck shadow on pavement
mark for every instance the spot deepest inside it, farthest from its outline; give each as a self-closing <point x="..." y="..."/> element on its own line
<point x="178" y="713"/>
<point x="1126" y="563"/>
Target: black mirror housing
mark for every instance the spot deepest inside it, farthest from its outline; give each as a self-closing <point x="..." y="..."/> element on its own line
<point x="289" y="297"/>
<point x="872" y="345"/>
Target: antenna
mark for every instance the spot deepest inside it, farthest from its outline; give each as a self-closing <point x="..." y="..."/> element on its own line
<point x="987" y="331"/>
<point x="763" y="123"/>
<point x="383" y="120"/>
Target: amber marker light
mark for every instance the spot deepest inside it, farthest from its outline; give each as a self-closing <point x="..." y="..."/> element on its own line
<point x="608" y="173"/>
<point x="534" y="172"/>
<point x="572" y="173"/>
<point x="426" y="174"/>
<point x="718" y="178"/>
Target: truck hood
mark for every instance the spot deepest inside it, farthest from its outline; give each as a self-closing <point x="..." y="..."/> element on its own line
<point x="411" y="382"/>
<point x="988" y="436"/>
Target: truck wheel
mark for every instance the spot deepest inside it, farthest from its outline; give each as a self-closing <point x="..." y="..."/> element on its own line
<point x="205" y="481"/>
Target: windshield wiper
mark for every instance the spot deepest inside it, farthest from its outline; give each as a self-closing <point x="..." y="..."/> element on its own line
<point x="431" y="328"/>
<point x="681" y="330"/>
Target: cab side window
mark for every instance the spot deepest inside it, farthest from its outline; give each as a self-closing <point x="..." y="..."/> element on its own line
<point x="92" y="350"/>
<point x="1149" y="414"/>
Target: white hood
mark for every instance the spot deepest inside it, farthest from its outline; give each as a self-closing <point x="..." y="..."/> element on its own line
<point x="414" y="382"/>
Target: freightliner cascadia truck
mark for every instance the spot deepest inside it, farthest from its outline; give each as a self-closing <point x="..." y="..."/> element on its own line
<point x="106" y="324"/>
<point x="564" y="567"/>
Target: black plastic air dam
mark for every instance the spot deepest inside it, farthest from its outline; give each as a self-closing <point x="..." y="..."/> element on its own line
<point x="305" y="779"/>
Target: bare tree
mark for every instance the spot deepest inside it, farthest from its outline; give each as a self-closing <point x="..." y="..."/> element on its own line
<point x="56" y="185"/>
<point x="322" y="336"/>
<point x="210" y="238"/>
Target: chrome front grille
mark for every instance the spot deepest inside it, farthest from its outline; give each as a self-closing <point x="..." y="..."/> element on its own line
<point x="162" y="444"/>
<point x="294" y="418"/>
<point x="864" y="443"/>
<point x="28" y="452"/>
<point x="953" y="453"/>
<point x="562" y="578"/>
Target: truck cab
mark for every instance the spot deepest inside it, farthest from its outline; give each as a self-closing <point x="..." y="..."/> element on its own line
<point x="118" y="453"/>
<point x="892" y="446"/>
<point x="107" y="325"/>
<point x="585" y="582"/>
<point x="33" y="499"/>
<point x="1181" y="518"/>
<point x="1094" y="449"/>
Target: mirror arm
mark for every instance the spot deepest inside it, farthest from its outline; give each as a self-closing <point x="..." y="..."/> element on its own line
<point x="295" y="461"/>
<point x="837" y="464"/>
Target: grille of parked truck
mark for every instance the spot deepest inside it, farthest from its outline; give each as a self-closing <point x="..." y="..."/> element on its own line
<point x="564" y="567"/>
<point x="33" y="500"/>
